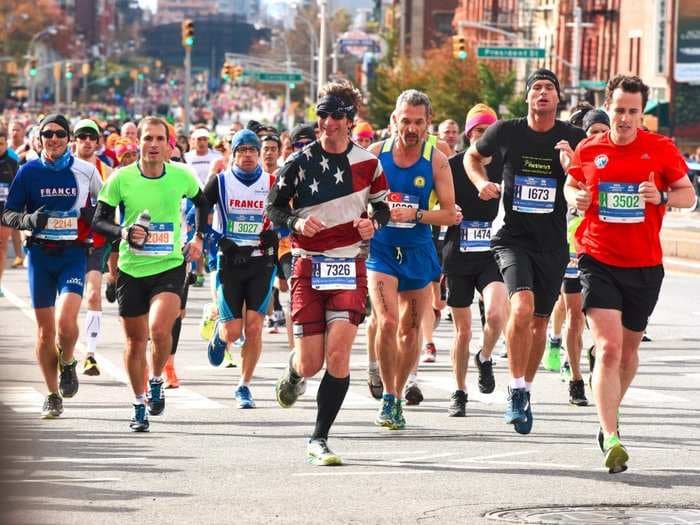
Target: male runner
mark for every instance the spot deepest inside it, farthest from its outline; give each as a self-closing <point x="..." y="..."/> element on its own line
<point x="448" y="132"/>
<point x="330" y="184"/>
<point x="48" y="197"/>
<point x="469" y="266"/>
<point x="403" y="260"/>
<point x="8" y="170"/>
<point x="530" y="248"/>
<point x="151" y="260"/>
<point x="246" y="258"/>
<point x="622" y="180"/>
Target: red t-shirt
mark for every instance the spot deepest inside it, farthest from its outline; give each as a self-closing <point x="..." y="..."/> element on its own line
<point x="610" y="232"/>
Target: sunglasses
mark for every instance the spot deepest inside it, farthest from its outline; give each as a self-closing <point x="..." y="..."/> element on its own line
<point x="49" y="134"/>
<point x="87" y="136"/>
<point x="336" y="115"/>
<point x="176" y="159"/>
<point x="246" y="149"/>
<point x="300" y="145"/>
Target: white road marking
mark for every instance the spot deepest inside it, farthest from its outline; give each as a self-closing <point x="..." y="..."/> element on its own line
<point x="410" y="459"/>
<point x="671" y="358"/>
<point x="646" y="396"/>
<point x="61" y="480"/>
<point x="181" y="398"/>
<point x="22" y="399"/>
<point x="496" y="456"/>
<point x="446" y="384"/>
<point x="78" y="460"/>
<point x="343" y="472"/>
<point x="379" y="453"/>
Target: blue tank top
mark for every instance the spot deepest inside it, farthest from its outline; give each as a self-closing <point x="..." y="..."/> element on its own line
<point x="408" y="187"/>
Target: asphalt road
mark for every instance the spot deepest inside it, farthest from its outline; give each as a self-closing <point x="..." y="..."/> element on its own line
<point x="205" y="461"/>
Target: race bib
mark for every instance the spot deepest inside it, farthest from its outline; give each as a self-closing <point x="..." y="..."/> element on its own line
<point x="4" y="191"/>
<point x="443" y="233"/>
<point x="572" y="271"/>
<point x="160" y="241"/>
<point x="401" y="200"/>
<point x="329" y="273"/>
<point x="475" y="236"/>
<point x="534" y="194"/>
<point x="620" y="202"/>
<point x="61" y="226"/>
<point x="244" y="228"/>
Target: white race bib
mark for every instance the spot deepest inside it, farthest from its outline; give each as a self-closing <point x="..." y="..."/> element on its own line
<point x="475" y="236"/>
<point x="534" y="194"/>
<point x="328" y="273"/>
<point x="61" y="226"/>
<point x="401" y="200"/>
<point x="160" y="241"/>
<point x="620" y="202"/>
<point x="244" y="228"/>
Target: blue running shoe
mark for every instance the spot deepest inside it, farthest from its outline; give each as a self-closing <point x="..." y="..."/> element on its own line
<point x="216" y="348"/>
<point x="244" y="397"/>
<point x="139" y="423"/>
<point x="515" y="407"/>
<point x="526" y="426"/>
<point x="386" y="411"/>
<point x="156" y="397"/>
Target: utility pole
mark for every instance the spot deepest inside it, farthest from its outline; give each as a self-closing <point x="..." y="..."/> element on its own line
<point x="322" y="44"/>
<point x="57" y="84"/>
<point x="187" y="42"/>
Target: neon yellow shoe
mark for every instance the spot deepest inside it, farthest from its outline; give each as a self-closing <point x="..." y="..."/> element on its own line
<point x="552" y="359"/>
<point x="615" y="455"/>
<point x="318" y="453"/>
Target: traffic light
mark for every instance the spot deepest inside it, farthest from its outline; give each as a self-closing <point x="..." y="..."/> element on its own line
<point x="32" y="67"/>
<point x="292" y="85"/>
<point x="69" y="70"/>
<point x="459" y="47"/>
<point x="226" y="72"/>
<point x="237" y="71"/>
<point x="187" y="33"/>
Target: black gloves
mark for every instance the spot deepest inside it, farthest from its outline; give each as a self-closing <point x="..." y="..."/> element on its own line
<point x="130" y="238"/>
<point x="269" y="240"/>
<point x="35" y="221"/>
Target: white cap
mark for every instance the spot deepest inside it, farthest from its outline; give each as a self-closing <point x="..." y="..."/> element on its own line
<point x="200" y="132"/>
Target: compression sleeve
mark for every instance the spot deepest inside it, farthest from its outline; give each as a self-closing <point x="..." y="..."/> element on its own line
<point x="103" y="222"/>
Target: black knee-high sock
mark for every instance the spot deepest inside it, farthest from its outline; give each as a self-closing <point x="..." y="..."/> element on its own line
<point x="330" y="396"/>
<point x="276" y="299"/>
<point x="176" y="334"/>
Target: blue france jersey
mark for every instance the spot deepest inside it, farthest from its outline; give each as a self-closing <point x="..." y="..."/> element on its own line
<point x="410" y="187"/>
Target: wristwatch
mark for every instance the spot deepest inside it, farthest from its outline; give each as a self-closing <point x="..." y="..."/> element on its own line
<point x="419" y="216"/>
<point x="664" y="198"/>
<point x="199" y="235"/>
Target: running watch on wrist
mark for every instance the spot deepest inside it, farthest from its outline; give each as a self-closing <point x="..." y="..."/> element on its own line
<point x="419" y="216"/>
<point x="664" y="198"/>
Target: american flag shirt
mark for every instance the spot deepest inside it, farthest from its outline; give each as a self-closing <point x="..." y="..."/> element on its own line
<point x="335" y="188"/>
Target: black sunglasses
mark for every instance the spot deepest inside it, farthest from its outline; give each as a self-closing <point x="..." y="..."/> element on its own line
<point x="85" y="136"/>
<point x="176" y="159"/>
<point x="49" y="134"/>
<point x="300" y="145"/>
<point x="336" y="115"/>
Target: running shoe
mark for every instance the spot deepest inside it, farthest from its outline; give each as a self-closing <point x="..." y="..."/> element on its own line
<point x="516" y="406"/>
<point x="616" y="456"/>
<point x="429" y="353"/>
<point x="565" y="372"/>
<point x="318" y="453"/>
<point x="601" y="436"/>
<point x="525" y="427"/>
<point x="53" y="407"/>
<point x="90" y="367"/>
<point x="577" y="393"/>
<point x="552" y="359"/>
<point x="171" y="379"/>
<point x="487" y="383"/>
<point x="646" y="339"/>
<point x="18" y="262"/>
<point x="199" y="282"/>
<point x="458" y="404"/>
<point x="384" y="416"/>
<point x="412" y="394"/>
<point x="216" y="348"/>
<point x="288" y="388"/>
<point x="139" y="423"/>
<point x="244" y="397"/>
<point x="111" y="292"/>
<point x="398" y="422"/>
<point x="230" y="363"/>
<point x="68" y="380"/>
<point x="374" y="381"/>
<point x="156" y="397"/>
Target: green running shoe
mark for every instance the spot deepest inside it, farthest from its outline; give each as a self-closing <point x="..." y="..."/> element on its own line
<point x="615" y="455"/>
<point x="565" y="372"/>
<point x="552" y="360"/>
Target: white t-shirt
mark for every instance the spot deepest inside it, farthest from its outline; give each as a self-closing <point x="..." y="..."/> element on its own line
<point x="200" y="164"/>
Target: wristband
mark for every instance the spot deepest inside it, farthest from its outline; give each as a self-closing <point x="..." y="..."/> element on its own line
<point x="419" y="216"/>
<point x="664" y="198"/>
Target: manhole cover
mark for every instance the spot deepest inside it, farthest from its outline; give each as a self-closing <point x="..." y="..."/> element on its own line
<point x="599" y="515"/>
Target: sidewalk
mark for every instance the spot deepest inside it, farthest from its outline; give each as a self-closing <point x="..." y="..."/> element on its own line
<point x="680" y="240"/>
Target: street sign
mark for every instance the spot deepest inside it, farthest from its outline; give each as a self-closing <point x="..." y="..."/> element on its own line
<point x="510" y="53"/>
<point x="593" y="84"/>
<point x="274" y="77"/>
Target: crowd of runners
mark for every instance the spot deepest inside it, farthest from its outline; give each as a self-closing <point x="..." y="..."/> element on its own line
<point x="332" y="224"/>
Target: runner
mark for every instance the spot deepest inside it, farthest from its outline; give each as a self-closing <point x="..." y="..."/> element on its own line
<point x="363" y="134"/>
<point x="48" y="197"/>
<point x="8" y="170"/>
<point x="87" y="134"/>
<point x="448" y="132"/>
<point x="622" y="181"/>
<point x="469" y="266"/>
<point x="530" y="248"/>
<point x="403" y="260"/>
<point x="330" y="183"/>
<point x="246" y="258"/>
<point x="151" y="261"/>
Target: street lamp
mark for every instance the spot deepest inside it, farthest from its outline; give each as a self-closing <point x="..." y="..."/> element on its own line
<point x="313" y="45"/>
<point x="32" y="81"/>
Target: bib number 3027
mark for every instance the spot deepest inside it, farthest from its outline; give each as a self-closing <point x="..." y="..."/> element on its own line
<point x="534" y="194"/>
<point x="329" y="273"/>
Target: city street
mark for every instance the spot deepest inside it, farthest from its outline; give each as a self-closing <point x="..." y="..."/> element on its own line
<point x="205" y="461"/>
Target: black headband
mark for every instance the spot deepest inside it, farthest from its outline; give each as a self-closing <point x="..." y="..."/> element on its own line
<point x="55" y="118"/>
<point x="542" y="74"/>
<point x="333" y="104"/>
<point x="595" y="116"/>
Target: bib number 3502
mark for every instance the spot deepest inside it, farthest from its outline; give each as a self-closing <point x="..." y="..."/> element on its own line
<point x="329" y="273"/>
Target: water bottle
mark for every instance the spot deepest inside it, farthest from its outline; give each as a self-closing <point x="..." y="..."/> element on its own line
<point x="144" y="220"/>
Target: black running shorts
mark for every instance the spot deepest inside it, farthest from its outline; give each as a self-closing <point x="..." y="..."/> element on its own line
<point x="249" y="284"/>
<point x="134" y="294"/>
<point x="461" y="288"/>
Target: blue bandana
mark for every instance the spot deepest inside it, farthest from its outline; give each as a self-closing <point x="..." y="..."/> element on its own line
<point x="247" y="177"/>
<point x="60" y="163"/>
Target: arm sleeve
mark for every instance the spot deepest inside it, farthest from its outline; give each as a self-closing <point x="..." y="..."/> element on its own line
<point x="277" y="206"/>
<point x="14" y="219"/>
<point x="211" y="191"/>
<point x="490" y="141"/>
<point x="202" y="212"/>
<point x="103" y="222"/>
